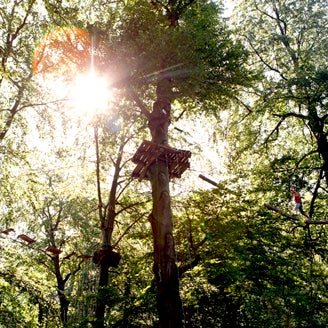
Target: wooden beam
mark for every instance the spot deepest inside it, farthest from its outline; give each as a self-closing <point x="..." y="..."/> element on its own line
<point x="6" y="232"/>
<point x="219" y="185"/>
<point x="209" y="180"/>
<point x="26" y="238"/>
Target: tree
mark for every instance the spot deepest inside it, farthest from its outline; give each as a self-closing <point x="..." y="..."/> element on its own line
<point x="164" y="36"/>
<point x="24" y="297"/>
<point x="254" y="268"/>
<point x="16" y="49"/>
<point x="170" y="71"/>
<point x="112" y="203"/>
<point x="289" y="41"/>
<point x="58" y="221"/>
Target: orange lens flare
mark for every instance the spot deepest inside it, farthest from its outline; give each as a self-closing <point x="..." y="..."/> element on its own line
<point x="63" y="53"/>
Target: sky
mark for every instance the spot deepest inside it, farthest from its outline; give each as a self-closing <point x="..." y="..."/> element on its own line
<point x="228" y="4"/>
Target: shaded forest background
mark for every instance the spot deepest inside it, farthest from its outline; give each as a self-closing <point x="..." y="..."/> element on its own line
<point x="248" y="99"/>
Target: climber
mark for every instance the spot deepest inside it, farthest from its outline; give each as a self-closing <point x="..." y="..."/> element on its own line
<point x="298" y="202"/>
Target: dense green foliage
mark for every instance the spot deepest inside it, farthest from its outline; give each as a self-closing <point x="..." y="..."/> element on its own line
<point x="260" y="84"/>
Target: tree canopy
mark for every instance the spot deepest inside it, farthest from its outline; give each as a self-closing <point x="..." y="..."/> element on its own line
<point x="198" y="229"/>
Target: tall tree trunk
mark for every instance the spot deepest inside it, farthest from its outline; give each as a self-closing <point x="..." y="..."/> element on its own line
<point x="169" y="304"/>
<point x="63" y="301"/>
<point x="105" y="257"/>
<point x="317" y="126"/>
<point x="101" y="293"/>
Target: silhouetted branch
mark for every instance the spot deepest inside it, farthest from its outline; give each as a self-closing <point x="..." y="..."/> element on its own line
<point x="278" y="210"/>
<point x="293" y="217"/>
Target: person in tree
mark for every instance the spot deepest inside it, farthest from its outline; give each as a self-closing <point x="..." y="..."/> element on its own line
<point x="298" y="202"/>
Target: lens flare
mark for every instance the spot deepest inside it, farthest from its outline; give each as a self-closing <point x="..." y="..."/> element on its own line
<point x="90" y="93"/>
<point x="63" y="53"/>
<point x="64" y="65"/>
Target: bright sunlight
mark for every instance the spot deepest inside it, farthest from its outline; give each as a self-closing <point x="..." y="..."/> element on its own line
<point x="90" y="93"/>
<point x="64" y="65"/>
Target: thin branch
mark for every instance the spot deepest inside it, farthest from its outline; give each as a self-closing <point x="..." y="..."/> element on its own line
<point x="291" y="114"/>
<point x="293" y="217"/>
<point x="22" y="25"/>
<point x="283" y="29"/>
<point x="283" y="117"/>
<point x="315" y="192"/>
<point x="189" y="266"/>
<point x="306" y="155"/>
<point x="139" y="103"/>
<point x="73" y="273"/>
<point x="292" y="230"/>
<point x="130" y="206"/>
<point x="127" y="230"/>
<point x="100" y="212"/>
<point x="59" y="217"/>
<point x="244" y="105"/>
<point x="317" y="222"/>
<point x="264" y="62"/>
<point x="275" y="130"/>
<point x="127" y="182"/>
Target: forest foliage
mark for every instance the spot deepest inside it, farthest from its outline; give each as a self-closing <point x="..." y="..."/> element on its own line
<point x="249" y="100"/>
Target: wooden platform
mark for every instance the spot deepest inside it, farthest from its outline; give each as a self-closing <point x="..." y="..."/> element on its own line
<point x="148" y="152"/>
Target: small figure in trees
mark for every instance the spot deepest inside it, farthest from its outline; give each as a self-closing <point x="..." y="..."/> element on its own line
<point x="298" y="202"/>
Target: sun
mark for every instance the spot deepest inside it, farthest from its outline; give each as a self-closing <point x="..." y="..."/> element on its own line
<point x="90" y="93"/>
<point x="63" y="63"/>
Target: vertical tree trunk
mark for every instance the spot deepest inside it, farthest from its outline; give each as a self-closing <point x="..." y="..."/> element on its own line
<point x="105" y="257"/>
<point x="101" y="293"/>
<point x="63" y="301"/>
<point x="169" y="304"/>
<point x="317" y="127"/>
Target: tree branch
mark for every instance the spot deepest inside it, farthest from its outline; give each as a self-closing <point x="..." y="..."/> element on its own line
<point x="280" y="211"/>
<point x="264" y="62"/>
<point x="73" y="273"/>
<point x="139" y="103"/>
<point x="130" y="206"/>
<point x="293" y="217"/>
<point x="315" y="192"/>
<point x="127" y="230"/>
<point x="283" y="117"/>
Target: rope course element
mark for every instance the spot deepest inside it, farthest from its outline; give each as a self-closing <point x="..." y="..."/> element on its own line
<point x="149" y="152"/>
<point x="208" y="180"/>
<point x="53" y="250"/>
<point x="50" y="249"/>
<point x="26" y="238"/>
<point x="293" y="217"/>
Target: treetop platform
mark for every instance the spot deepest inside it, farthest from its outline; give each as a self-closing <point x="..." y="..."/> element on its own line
<point x="149" y="152"/>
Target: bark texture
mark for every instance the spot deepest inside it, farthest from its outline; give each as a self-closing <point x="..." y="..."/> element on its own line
<point x="169" y="304"/>
<point x="106" y="257"/>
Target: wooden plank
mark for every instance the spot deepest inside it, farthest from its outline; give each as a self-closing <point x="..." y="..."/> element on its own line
<point x="6" y="232"/>
<point x="26" y="238"/>
<point x="53" y="250"/>
<point x="148" y="152"/>
<point x="83" y="256"/>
